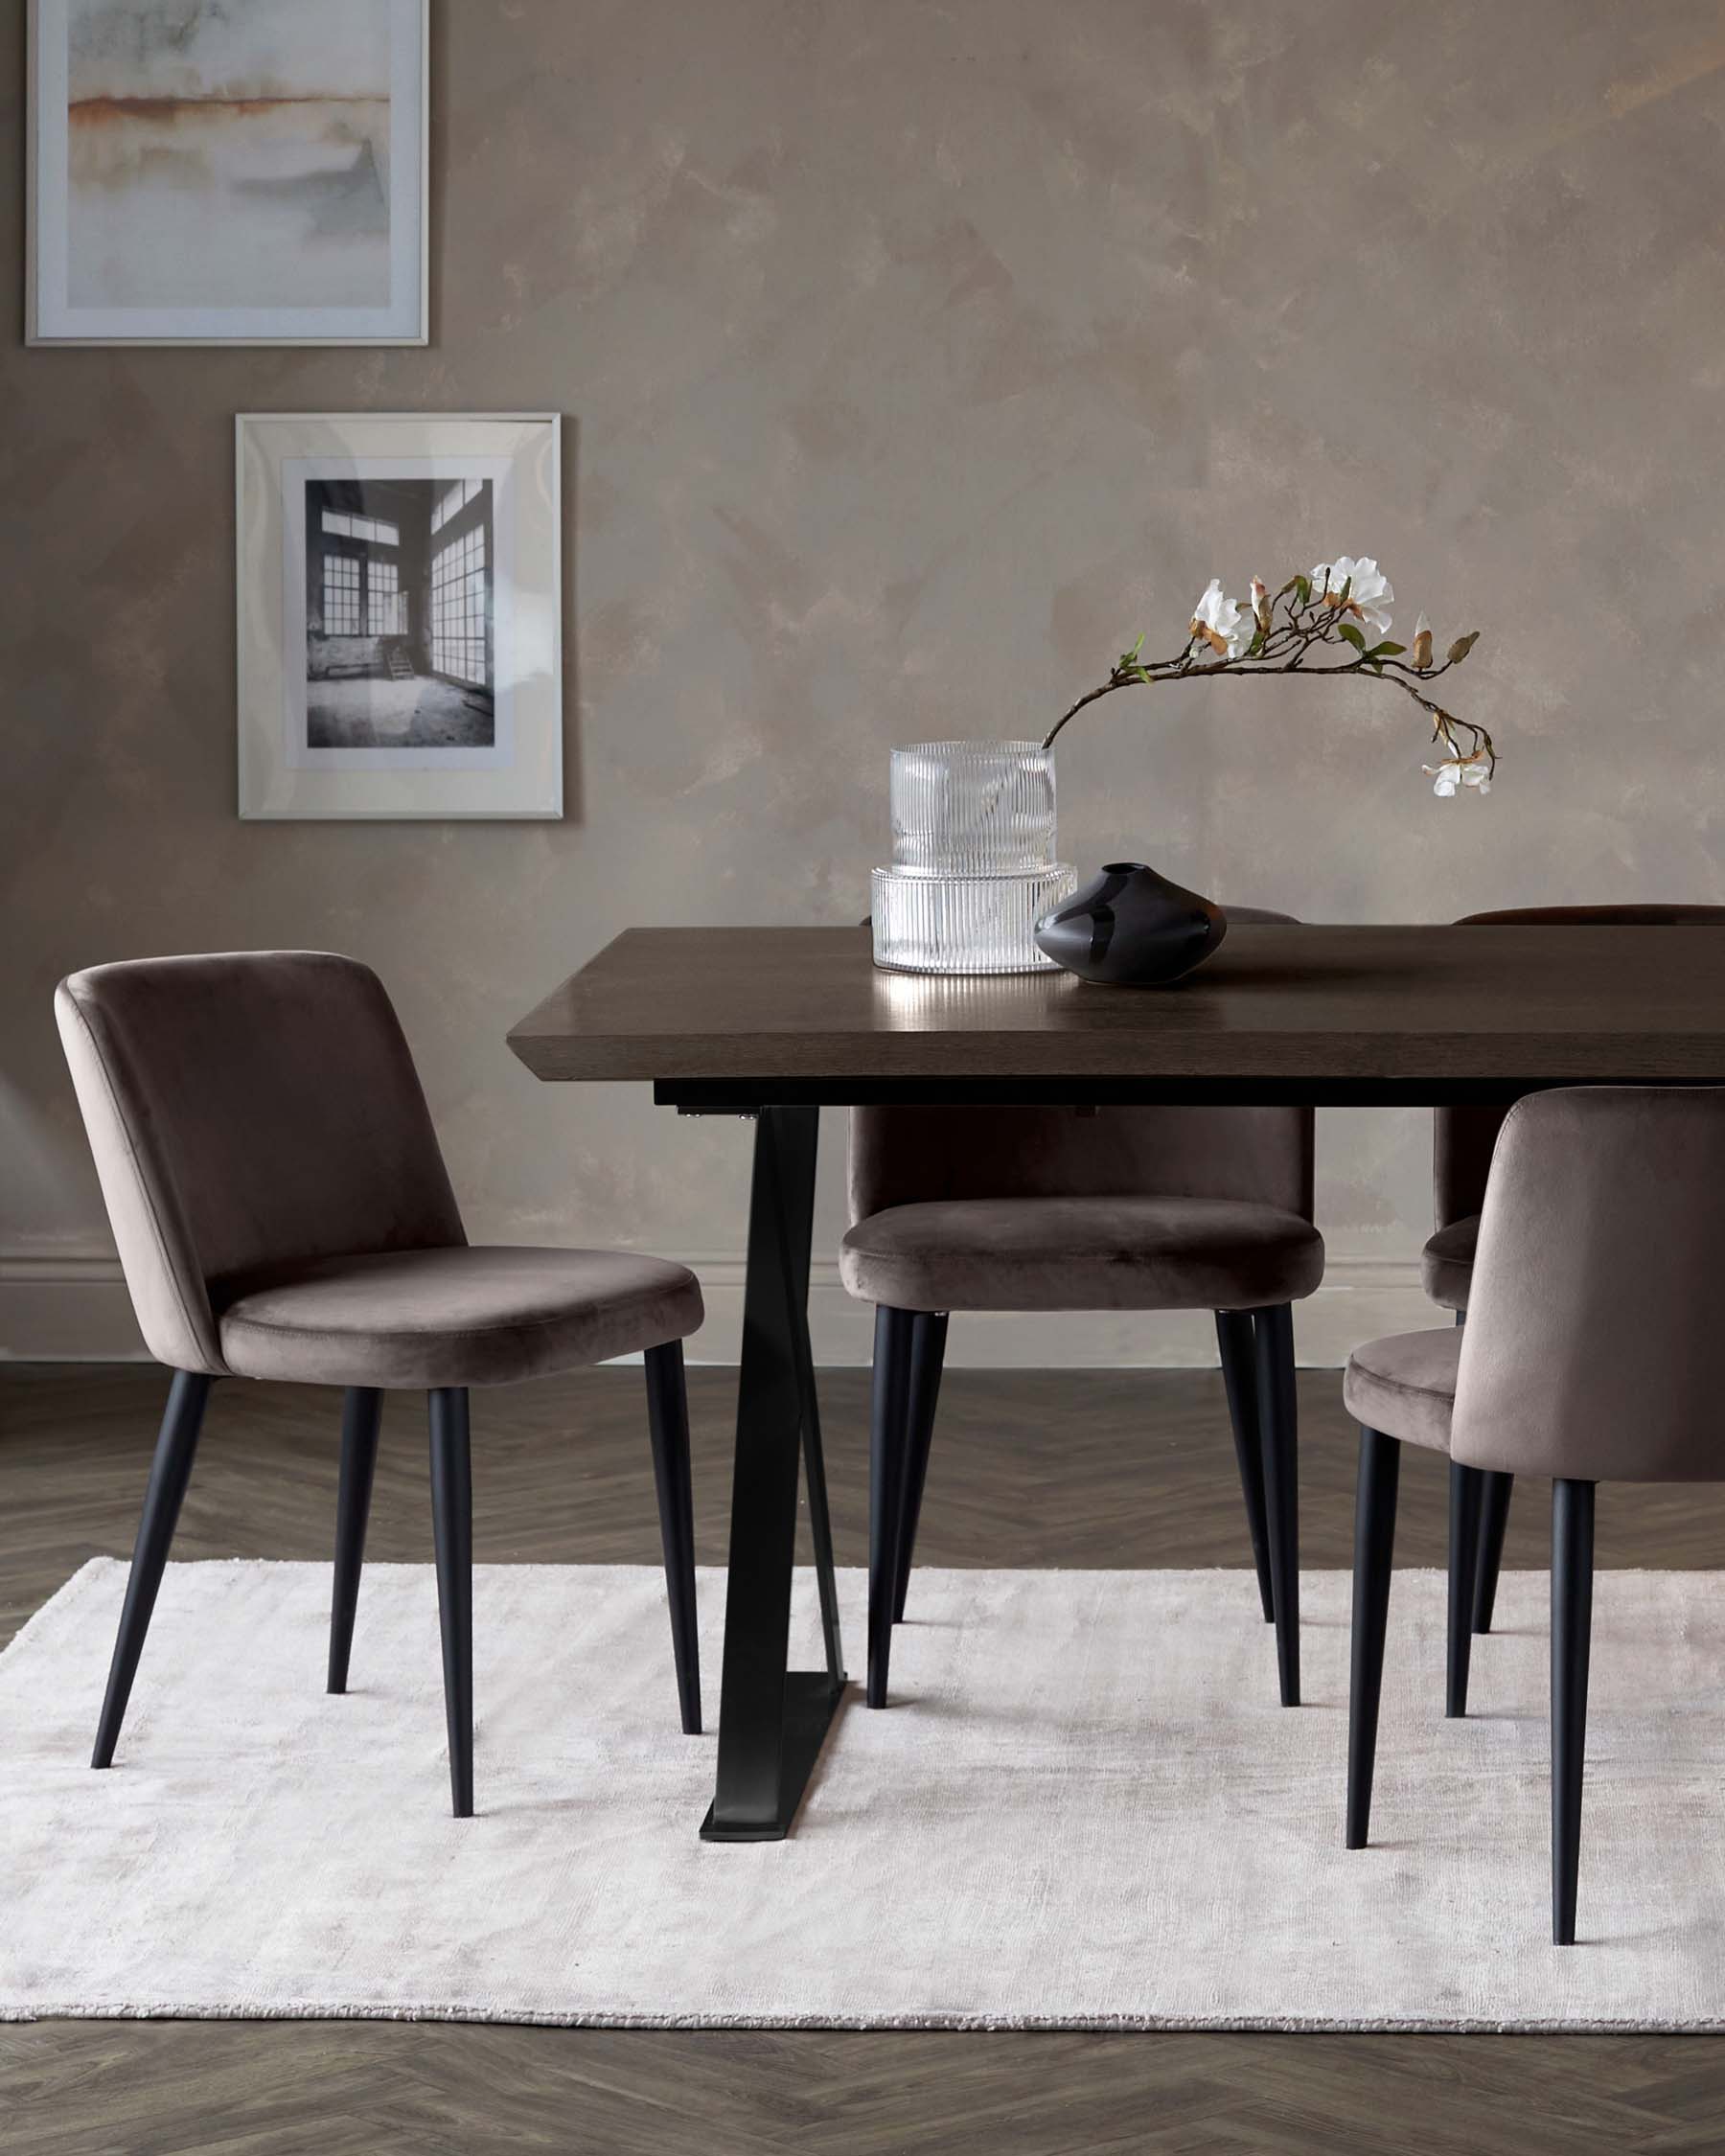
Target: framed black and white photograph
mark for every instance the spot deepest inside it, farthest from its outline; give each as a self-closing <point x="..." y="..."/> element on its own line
<point x="209" y="171"/>
<point x="400" y="615"/>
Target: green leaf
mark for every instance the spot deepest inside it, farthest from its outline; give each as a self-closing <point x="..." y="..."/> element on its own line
<point x="1385" y="650"/>
<point x="1304" y="585"/>
<point x="1139" y="646"/>
<point x="1352" y="636"/>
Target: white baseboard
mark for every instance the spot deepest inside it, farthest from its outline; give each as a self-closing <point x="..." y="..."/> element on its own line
<point x="1360" y="1298"/>
<point x="73" y="1308"/>
<point x="66" y="1307"/>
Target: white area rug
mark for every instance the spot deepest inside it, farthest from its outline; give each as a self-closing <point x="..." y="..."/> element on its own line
<point x="1084" y="1809"/>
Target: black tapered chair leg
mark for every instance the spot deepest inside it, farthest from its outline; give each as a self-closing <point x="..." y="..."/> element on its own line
<point x="452" y="1533"/>
<point x="1235" y="1337"/>
<point x="1375" y="1556"/>
<point x="1494" y="1518"/>
<point x="1572" y="1633"/>
<point x="890" y="1416"/>
<point x="927" y="1356"/>
<point x="169" y="1472"/>
<point x="668" y="1425"/>
<point x="1465" y="1495"/>
<point x="1278" y="1434"/>
<point x="361" y="1414"/>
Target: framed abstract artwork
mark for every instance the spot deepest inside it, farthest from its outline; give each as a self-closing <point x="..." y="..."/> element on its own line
<point x="227" y="172"/>
<point x="400" y="615"/>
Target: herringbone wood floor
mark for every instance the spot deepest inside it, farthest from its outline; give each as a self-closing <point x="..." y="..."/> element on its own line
<point x="1039" y="1469"/>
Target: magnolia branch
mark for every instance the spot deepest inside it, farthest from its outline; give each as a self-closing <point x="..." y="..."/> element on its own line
<point x="1311" y="620"/>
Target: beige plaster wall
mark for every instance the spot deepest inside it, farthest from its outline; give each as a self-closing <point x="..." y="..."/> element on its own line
<point x="915" y="355"/>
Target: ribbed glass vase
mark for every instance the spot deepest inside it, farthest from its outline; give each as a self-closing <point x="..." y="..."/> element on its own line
<point x="973" y="808"/>
<point x="973" y="859"/>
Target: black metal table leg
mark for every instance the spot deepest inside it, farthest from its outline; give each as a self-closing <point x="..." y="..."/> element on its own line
<point x="773" y="1721"/>
<point x="796" y="1215"/>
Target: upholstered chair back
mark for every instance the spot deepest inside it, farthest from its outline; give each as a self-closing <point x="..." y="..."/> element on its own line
<point x="909" y="1155"/>
<point x="247" y="1112"/>
<point x="1591" y="1349"/>
<point x="1463" y="1137"/>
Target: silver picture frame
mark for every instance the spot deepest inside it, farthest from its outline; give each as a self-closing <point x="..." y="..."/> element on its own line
<point x="131" y="199"/>
<point x="399" y="582"/>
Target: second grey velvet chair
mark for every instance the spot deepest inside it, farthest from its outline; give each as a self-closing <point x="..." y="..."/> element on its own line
<point x="1058" y="1208"/>
<point x="1590" y="1355"/>
<point x="282" y="1210"/>
<point x="1461" y="1144"/>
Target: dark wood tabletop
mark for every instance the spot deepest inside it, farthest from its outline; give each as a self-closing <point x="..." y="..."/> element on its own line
<point x="1368" y="1013"/>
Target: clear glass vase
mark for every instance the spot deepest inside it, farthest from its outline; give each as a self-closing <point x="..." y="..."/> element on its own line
<point x="973" y="808"/>
<point x="973" y="859"/>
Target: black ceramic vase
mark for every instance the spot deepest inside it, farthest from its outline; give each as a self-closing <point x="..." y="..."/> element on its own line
<point x="1131" y="928"/>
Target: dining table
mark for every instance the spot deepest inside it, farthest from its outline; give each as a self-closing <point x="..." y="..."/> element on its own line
<point x="774" y="1024"/>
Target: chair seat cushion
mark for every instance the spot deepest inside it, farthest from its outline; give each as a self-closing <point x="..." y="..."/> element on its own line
<point x="464" y="1316"/>
<point x="1446" y="1263"/>
<point x="1082" y="1253"/>
<point x="1404" y="1385"/>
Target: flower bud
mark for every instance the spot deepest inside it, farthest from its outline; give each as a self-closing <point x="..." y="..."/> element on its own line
<point x="1260" y="604"/>
<point x="1422" y="643"/>
<point x="1462" y="645"/>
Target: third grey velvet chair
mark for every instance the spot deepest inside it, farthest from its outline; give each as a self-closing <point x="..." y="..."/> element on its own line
<point x="1462" y="1139"/>
<point x="1590" y="1354"/>
<point x="283" y="1211"/>
<point x="1057" y="1209"/>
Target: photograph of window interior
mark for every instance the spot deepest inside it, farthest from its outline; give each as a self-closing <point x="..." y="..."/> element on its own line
<point x="399" y="614"/>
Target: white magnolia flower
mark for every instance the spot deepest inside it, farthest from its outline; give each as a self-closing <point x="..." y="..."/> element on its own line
<point x="1368" y="589"/>
<point x="1223" y="623"/>
<point x="1458" y="771"/>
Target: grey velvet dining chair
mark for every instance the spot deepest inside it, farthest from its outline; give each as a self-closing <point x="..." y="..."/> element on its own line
<point x="1590" y="1355"/>
<point x="282" y="1211"/>
<point x="1462" y="1142"/>
<point x="1067" y="1209"/>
